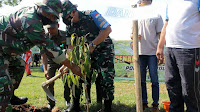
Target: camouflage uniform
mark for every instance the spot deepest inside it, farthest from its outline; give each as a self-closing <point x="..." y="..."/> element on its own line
<point x="59" y="40"/>
<point x="103" y="55"/>
<point x="19" y="32"/>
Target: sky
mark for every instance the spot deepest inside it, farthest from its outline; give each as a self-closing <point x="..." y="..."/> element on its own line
<point x="118" y="13"/>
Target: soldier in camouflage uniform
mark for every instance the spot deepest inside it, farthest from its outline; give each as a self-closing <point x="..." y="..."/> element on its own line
<point x="19" y="32"/>
<point x="59" y="37"/>
<point x="101" y="48"/>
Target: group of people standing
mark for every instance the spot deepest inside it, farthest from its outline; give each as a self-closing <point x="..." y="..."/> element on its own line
<point x="101" y="49"/>
<point x="180" y="33"/>
<point x="22" y="30"/>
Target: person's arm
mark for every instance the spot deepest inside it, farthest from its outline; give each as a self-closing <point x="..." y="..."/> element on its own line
<point x="38" y="37"/>
<point x="103" y="34"/>
<point x="161" y="43"/>
<point x="45" y="64"/>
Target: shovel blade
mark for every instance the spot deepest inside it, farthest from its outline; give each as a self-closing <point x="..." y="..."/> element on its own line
<point x="48" y="93"/>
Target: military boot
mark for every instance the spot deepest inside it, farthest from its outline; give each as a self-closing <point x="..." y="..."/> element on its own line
<point x="15" y="100"/>
<point x="74" y="107"/>
<point x="99" y="94"/>
<point x="107" y="105"/>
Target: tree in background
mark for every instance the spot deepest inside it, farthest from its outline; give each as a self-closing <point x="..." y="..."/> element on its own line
<point x="10" y="2"/>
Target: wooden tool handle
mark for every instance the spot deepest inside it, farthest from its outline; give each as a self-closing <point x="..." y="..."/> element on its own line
<point x="55" y="77"/>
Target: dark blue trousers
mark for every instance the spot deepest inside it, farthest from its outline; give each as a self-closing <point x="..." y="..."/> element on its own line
<point x="149" y="61"/>
<point x="183" y="79"/>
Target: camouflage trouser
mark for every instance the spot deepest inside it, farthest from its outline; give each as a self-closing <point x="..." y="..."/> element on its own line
<point x="11" y="73"/>
<point x="106" y="69"/>
<point x="103" y="62"/>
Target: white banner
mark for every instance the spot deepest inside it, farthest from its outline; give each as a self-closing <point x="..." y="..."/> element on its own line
<point x="132" y="13"/>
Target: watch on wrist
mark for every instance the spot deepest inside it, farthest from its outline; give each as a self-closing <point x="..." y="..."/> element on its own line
<point x="93" y="45"/>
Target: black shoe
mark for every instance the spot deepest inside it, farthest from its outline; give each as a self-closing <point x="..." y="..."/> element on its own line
<point x="28" y="75"/>
<point x="107" y="105"/>
<point x="145" y="106"/>
<point x="155" y="108"/>
<point x="45" y="109"/>
<point x="73" y="108"/>
<point x="18" y="100"/>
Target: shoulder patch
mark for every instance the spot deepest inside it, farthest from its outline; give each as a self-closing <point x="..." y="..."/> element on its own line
<point x="99" y="20"/>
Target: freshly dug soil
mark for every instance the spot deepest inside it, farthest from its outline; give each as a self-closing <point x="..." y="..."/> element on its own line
<point x="30" y="108"/>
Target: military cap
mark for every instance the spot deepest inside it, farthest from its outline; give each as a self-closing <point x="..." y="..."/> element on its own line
<point x="52" y="25"/>
<point x="68" y="7"/>
<point x="52" y="6"/>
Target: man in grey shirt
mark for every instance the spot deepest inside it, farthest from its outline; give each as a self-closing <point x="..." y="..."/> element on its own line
<point x="148" y="34"/>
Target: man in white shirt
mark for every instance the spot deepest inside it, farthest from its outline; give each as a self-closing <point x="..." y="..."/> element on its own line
<point x="181" y="32"/>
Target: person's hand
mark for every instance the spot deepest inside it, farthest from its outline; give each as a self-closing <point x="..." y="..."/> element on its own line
<point x="47" y="75"/>
<point x="159" y="55"/>
<point x="60" y="71"/>
<point x="76" y="70"/>
<point x="139" y="37"/>
<point x="131" y="36"/>
<point x="91" y="49"/>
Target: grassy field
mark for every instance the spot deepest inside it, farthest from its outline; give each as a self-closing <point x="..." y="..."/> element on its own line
<point x="124" y="93"/>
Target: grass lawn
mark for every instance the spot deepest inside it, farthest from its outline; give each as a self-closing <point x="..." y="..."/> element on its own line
<point x="124" y="93"/>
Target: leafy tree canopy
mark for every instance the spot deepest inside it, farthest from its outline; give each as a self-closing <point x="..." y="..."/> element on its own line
<point x="9" y="2"/>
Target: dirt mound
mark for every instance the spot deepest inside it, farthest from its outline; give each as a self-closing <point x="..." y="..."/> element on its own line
<point x="30" y="108"/>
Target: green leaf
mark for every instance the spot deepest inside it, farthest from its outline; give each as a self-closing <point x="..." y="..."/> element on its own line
<point x="83" y="40"/>
<point x="82" y="69"/>
<point x="70" y="56"/>
<point x="72" y="38"/>
<point x="73" y="90"/>
<point x="77" y="41"/>
<point x="74" y="56"/>
<point x="80" y="51"/>
<point x="73" y="80"/>
<point x="77" y="81"/>
<point x="69" y="79"/>
<point x="94" y="76"/>
<point x="80" y="41"/>
<point x="64" y="78"/>
<point x="87" y="65"/>
<point x="86" y="48"/>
